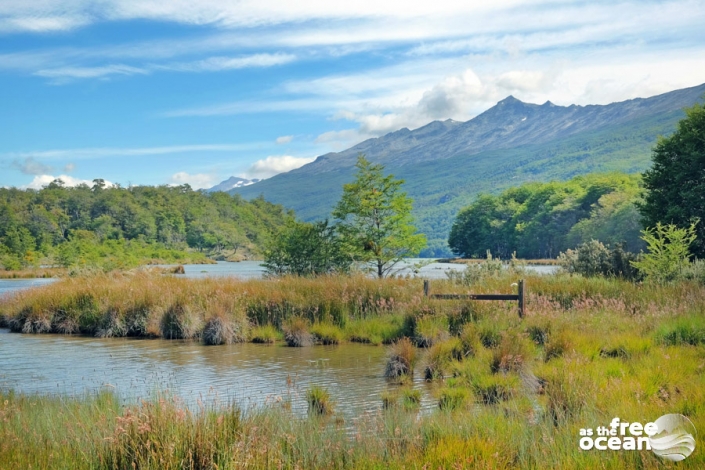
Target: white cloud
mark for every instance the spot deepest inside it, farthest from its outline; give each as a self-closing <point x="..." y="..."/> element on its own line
<point x="101" y="152"/>
<point x="210" y="64"/>
<point x="42" y="24"/>
<point x="196" y="181"/>
<point x="213" y="64"/>
<point x="285" y="139"/>
<point x="274" y="165"/>
<point x="69" y="167"/>
<point x="451" y="97"/>
<point x="40" y="181"/>
<point x="90" y="72"/>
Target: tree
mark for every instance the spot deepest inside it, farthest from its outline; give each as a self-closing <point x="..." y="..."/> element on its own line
<point x="675" y="184"/>
<point x="304" y="249"/>
<point x="668" y="252"/>
<point x="374" y="218"/>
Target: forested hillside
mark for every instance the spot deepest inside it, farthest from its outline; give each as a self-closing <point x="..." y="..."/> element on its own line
<point x="447" y="164"/>
<point x="120" y="227"/>
<point x="539" y="220"/>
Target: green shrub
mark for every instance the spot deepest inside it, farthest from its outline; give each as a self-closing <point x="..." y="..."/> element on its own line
<point x="439" y="357"/>
<point x="668" y="252"/>
<point x="595" y="259"/>
<point x="383" y="329"/>
<point x="556" y="346"/>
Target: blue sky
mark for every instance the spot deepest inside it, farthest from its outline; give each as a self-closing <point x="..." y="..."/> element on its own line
<point x="175" y="91"/>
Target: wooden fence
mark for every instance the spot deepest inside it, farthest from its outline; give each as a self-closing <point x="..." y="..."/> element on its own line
<point x="519" y="297"/>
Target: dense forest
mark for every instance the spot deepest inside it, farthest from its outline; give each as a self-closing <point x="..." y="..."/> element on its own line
<point x="539" y="220"/>
<point x="116" y="227"/>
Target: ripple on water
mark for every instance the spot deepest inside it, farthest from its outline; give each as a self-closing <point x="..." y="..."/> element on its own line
<point x="247" y="374"/>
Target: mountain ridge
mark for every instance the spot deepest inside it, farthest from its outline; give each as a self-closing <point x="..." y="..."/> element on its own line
<point x="510" y="143"/>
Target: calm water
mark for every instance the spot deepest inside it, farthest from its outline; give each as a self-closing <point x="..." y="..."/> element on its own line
<point x="253" y="269"/>
<point x="12" y="285"/>
<point x="248" y="374"/>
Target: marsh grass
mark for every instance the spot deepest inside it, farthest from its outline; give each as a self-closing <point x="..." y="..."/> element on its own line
<point x="519" y="390"/>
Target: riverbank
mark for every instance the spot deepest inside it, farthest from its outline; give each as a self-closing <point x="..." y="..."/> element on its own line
<point x="38" y="273"/>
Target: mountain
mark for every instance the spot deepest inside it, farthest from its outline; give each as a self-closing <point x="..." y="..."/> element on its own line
<point x="447" y="163"/>
<point x="232" y="183"/>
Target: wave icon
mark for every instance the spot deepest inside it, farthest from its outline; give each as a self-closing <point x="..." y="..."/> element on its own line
<point x="674" y="439"/>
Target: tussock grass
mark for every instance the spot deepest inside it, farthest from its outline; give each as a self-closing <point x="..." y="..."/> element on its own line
<point x="411" y="398"/>
<point x="688" y="330"/>
<point x="402" y="357"/>
<point x="453" y="398"/>
<point x="325" y="333"/>
<point x="296" y="333"/>
<point x="440" y="356"/>
<point x="265" y="334"/>
<point x="319" y="401"/>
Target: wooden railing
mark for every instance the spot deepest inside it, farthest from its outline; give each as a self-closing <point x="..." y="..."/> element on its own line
<point x="519" y="297"/>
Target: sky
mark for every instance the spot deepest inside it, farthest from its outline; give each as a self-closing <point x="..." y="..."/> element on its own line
<point x="181" y="92"/>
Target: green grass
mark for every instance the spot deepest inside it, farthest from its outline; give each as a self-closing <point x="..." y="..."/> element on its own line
<point x="265" y="334"/>
<point x="375" y="330"/>
<point x="325" y="333"/>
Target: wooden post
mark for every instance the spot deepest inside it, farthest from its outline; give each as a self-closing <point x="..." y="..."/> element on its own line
<point x="521" y="298"/>
<point x="426" y="287"/>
